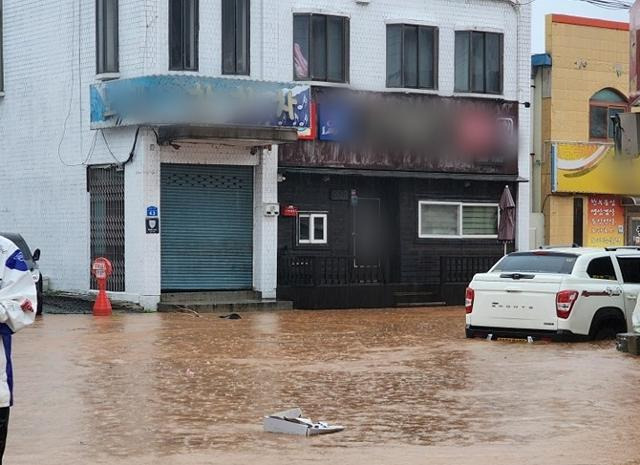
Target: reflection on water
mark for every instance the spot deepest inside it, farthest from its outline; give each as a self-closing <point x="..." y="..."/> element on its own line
<point x="173" y="388"/>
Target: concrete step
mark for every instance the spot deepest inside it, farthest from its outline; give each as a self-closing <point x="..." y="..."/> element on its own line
<point x="208" y="296"/>
<point x="226" y="307"/>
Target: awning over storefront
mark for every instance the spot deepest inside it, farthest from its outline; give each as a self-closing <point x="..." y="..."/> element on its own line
<point x="405" y="174"/>
<point x="197" y="107"/>
<point x="228" y="135"/>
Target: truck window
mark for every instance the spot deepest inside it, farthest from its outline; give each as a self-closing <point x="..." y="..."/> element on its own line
<point x="601" y="268"/>
<point x="630" y="267"/>
<point x="536" y="262"/>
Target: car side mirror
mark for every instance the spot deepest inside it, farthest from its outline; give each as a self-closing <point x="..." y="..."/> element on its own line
<point x="36" y="255"/>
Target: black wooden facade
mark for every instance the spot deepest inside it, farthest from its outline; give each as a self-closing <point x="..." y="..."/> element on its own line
<point x="373" y="256"/>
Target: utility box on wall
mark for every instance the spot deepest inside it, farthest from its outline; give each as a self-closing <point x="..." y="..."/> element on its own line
<point x="628" y="144"/>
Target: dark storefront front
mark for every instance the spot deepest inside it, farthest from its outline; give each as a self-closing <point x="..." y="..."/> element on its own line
<point x="377" y="227"/>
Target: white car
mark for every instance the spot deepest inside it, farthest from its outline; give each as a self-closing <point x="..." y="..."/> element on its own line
<point x="556" y="293"/>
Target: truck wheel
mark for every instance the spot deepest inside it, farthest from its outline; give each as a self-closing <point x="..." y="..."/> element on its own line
<point x="605" y="333"/>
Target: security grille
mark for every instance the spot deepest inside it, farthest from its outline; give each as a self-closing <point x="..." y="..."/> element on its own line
<point x="106" y="190"/>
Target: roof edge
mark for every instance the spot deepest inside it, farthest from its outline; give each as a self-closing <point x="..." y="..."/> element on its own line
<point x="589" y="22"/>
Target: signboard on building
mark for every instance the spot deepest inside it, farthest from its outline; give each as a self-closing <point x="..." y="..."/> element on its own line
<point x="593" y="169"/>
<point x="605" y="222"/>
<point x="409" y="132"/>
<point x="198" y="100"/>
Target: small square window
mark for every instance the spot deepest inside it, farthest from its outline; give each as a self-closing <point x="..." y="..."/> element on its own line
<point x="312" y="228"/>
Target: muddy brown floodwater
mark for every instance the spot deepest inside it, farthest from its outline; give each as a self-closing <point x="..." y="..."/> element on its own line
<point x="175" y="389"/>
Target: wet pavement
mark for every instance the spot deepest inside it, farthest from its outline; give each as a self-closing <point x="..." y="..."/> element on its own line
<point x="177" y="389"/>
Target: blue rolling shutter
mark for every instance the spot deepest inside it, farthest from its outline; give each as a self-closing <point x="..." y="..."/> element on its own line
<point x="206" y="227"/>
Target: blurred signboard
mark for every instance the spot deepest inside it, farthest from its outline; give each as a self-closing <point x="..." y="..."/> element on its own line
<point x="593" y="168"/>
<point x="605" y="222"/>
<point x="199" y="100"/>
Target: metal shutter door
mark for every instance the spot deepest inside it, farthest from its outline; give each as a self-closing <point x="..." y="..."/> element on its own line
<point x="207" y="227"/>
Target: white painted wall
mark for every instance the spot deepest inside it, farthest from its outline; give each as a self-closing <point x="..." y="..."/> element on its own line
<point x="50" y="61"/>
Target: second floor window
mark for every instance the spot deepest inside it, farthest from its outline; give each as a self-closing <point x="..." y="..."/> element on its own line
<point x="412" y="56"/>
<point x="603" y="105"/>
<point x="106" y="36"/>
<point x="320" y="48"/>
<point x="235" y="37"/>
<point x="478" y="59"/>
<point x="183" y="35"/>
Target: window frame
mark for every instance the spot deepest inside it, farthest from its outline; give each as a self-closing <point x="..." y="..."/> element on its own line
<point x="613" y="267"/>
<point x="196" y="37"/>
<point x="471" y="70"/>
<point x="346" y="37"/>
<point x="622" y="259"/>
<point x="247" y="51"/>
<point x="313" y="215"/>
<point x="460" y="225"/>
<point x="101" y="47"/>
<point x="436" y="55"/>
<point x="608" y="106"/>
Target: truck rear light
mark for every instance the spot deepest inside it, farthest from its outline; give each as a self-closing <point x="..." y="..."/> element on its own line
<point x="468" y="300"/>
<point x="565" y="300"/>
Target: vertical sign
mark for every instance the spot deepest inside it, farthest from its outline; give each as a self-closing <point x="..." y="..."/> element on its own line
<point x="605" y="222"/>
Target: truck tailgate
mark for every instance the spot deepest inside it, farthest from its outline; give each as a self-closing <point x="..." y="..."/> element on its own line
<point x="525" y="303"/>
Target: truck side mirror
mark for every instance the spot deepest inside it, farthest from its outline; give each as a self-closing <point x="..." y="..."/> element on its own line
<point x="36" y="255"/>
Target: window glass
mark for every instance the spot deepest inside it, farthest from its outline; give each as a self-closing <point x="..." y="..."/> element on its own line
<point x="304" y="229"/>
<point x="242" y="37"/>
<point x="301" y="46"/>
<point x="477" y="61"/>
<point x="319" y="47"/>
<point x="601" y="268"/>
<point x="537" y="262"/>
<point x="427" y="58"/>
<point x="630" y="267"/>
<point x="312" y="228"/>
<point x="183" y="35"/>
<point x="479" y="220"/>
<point x="228" y="37"/>
<point x="493" y="71"/>
<point x="319" y="233"/>
<point x="394" y="55"/>
<point x="609" y="96"/>
<point x="106" y="36"/>
<point x="410" y="60"/>
<point x="235" y="37"/>
<point x="336" y="48"/>
<point x="612" y="112"/>
<point x="462" y="62"/>
<point x="598" y="125"/>
<point x="439" y="219"/>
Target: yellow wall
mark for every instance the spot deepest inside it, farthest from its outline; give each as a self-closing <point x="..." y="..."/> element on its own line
<point x="585" y="59"/>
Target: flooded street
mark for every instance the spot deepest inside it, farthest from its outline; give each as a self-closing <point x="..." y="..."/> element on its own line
<point x="177" y="389"/>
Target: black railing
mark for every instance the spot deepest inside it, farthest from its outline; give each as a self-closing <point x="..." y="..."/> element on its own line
<point x="325" y="271"/>
<point x="459" y="270"/>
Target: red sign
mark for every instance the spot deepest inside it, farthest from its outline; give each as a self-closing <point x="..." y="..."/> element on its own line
<point x="290" y="210"/>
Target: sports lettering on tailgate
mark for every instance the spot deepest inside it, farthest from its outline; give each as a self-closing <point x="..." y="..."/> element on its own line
<point x="514" y="307"/>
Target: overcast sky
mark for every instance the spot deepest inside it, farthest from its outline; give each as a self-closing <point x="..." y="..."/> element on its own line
<point x="571" y="7"/>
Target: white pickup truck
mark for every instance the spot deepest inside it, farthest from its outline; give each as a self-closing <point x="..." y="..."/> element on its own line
<point x="570" y="293"/>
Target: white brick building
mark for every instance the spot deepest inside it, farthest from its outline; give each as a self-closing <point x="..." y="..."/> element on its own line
<point x="49" y="62"/>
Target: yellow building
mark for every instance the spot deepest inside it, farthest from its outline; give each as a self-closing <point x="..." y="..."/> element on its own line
<point x="581" y="193"/>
